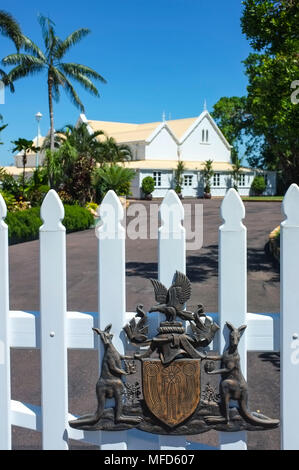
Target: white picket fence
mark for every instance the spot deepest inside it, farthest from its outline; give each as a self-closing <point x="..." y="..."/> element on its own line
<point x="54" y="329"/>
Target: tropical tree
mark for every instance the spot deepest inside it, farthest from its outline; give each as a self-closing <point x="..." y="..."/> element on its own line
<point x="59" y="73"/>
<point x="111" y="152"/>
<point x="25" y="146"/>
<point x="9" y="28"/>
<point x="267" y="115"/>
<point x="80" y="138"/>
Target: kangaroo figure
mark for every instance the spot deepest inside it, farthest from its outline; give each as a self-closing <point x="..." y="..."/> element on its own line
<point x="233" y="386"/>
<point x="109" y="384"/>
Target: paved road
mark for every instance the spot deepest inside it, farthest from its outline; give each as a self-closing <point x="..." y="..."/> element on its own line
<point x="263" y="296"/>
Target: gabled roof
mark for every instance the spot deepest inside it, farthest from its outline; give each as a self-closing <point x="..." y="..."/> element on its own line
<point x="205" y="114"/>
<point x="180" y="129"/>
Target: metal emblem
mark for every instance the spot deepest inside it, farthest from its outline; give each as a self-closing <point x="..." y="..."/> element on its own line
<point x="172" y="387"/>
<point x="171" y="392"/>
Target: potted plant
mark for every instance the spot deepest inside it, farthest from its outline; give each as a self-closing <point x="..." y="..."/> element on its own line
<point x="178" y="178"/>
<point x="148" y="186"/>
<point x="208" y="173"/>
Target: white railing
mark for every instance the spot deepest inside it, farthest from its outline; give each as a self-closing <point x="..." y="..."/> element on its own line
<point x="54" y="329"/>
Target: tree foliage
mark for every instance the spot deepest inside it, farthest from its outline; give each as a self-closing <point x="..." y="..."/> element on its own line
<point x="268" y="117"/>
<point x="113" y="177"/>
<point x="59" y="73"/>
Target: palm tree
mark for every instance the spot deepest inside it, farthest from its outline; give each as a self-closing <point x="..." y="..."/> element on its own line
<point x="58" y="72"/>
<point x="10" y="29"/>
<point x="112" y="177"/>
<point x="25" y="146"/>
<point x="111" y="152"/>
<point x="81" y="139"/>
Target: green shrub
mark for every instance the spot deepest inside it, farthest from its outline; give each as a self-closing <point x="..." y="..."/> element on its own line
<point x="9" y="199"/>
<point x="24" y="225"/>
<point x="258" y="185"/>
<point x="148" y="185"/>
<point x="77" y="218"/>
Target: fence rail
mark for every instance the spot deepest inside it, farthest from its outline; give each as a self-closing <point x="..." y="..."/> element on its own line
<point x="54" y="329"/>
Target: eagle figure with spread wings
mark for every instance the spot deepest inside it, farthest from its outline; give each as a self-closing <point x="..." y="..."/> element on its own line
<point x="171" y="301"/>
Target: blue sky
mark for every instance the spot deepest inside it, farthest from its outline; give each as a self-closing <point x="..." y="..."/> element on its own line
<point x="166" y="55"/>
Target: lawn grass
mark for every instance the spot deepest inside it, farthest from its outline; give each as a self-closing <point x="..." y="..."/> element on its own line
<point x="262" y="198"/>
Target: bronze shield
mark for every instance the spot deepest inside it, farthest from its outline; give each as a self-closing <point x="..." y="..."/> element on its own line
<point x="171" y="392"/>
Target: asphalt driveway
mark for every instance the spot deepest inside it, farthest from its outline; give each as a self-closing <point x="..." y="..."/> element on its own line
<point x="263" y="296"/>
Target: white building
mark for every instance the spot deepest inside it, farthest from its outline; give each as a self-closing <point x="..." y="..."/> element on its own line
<point x="157" y="148"/>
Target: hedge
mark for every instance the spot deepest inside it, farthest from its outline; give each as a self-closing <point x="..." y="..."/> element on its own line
<point x="24" y="225"/>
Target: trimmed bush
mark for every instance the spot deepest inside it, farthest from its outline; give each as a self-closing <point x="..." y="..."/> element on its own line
<point x="24" y="225"/>
<point x="258" y="185"/>
<point x="77" y="218"/>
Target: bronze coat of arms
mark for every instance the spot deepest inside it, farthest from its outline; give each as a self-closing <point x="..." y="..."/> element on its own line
<point x="171" y="385"/>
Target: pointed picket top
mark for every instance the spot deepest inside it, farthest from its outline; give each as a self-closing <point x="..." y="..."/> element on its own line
<point x="111" y="214"/>
<point x="3" y="211"/>
<point x="172" y="213"/>
<point x="290" y="206"/>
<point x="52" y="213"/>
<point x="232" y="210"/>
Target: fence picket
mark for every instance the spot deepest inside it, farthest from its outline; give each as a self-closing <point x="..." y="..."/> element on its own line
<point x="112" y="288"/>
<point x="53" y="324"/>
<point x="21" y="329"/>
<point x="171" y="258"/>
<point x="5" y="413"/>
<point x="289" y="321"/>
<point x="233" y="288"/>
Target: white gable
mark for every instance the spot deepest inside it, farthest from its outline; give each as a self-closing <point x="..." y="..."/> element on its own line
<point x="161" y="145"/>
<point x="204" y="141"/>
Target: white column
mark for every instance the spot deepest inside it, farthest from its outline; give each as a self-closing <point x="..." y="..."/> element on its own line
<point x="5" y="414"/>
<point x="112" y="288"/>
<point x="289" y="321"/>
<point x="53" y="325"/>
<point x="233" y="289"/>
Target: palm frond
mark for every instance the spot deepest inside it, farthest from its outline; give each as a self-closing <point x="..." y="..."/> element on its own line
<point x="73" y="68"/>
<point x="70" y="41"/>
<point x="10" y="28"/>
<point x="6" y="80"/>
<point x="30" y="46"/>
<point x="82" y="79"/>
<point x="21" y="71"/>
<point x="69" y="89"/>
<point x="47" y="27"/>
<point x="22" y="59"/>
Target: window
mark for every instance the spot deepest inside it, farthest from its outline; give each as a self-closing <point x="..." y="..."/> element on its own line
<point x="157" y="178"/>
<point x="242" y="180"/>
<point x="205" y="135"/>
<point x="188" y="180"/>
<point x="216" y="179"/>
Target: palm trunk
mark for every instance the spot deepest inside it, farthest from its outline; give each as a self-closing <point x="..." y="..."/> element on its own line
<point x="50" y="85"/>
